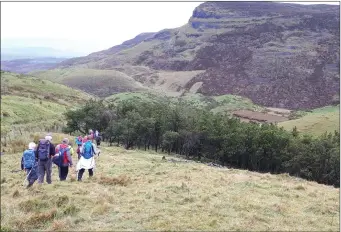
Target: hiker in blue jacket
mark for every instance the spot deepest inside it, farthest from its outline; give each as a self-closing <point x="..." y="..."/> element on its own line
<point x="87" y="160"/>
<point x="29" y="164"/>
<point x="79" y="142"/>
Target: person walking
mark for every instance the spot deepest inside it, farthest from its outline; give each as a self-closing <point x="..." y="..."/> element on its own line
<point x="87" y="160"/>
<point x="29" y="164"/>
<point x="79" y="143"/>
<point x="64" y="160"/>
<point x="44" y="153"/>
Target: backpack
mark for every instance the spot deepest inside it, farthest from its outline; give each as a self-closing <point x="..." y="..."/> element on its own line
<point x="60" y="159"/>
<point x="43" y="150"/>
<point x="28" y="159"/>
<point x="88" y="150"/>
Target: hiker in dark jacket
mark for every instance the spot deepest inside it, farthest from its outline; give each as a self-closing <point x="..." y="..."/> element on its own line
<point x="29" y="164"/>
<point x="44" y="153"/>
<point x="66" y="160"/>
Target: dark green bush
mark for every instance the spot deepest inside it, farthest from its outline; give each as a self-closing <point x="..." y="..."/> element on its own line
<point x="197" y="133"/>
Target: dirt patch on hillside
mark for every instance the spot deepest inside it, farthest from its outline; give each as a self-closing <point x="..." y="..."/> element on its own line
<point x="248" y="115"/>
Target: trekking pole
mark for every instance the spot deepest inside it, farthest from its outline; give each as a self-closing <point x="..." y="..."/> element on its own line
<point x="27" y="177"/>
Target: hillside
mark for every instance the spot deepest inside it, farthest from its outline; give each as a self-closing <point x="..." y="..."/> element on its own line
<point x="135" y="190"/>
<point x="30" y="104"/>
<point x="278" y="55"/>
<point x="101" y="83"/>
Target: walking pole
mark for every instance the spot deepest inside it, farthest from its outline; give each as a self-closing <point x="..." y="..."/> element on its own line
<point x="27" y="177"/>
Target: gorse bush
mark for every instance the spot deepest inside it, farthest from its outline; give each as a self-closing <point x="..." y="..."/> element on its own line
<point x="196" y="133"/>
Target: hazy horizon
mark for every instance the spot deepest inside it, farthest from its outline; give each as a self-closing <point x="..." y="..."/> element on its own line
<point x="86" y="27"/>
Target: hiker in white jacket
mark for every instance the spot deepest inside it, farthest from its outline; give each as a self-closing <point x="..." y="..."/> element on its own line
<point x="87" y="159"/>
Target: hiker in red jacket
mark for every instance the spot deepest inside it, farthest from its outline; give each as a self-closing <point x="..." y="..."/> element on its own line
<point x="63" y="150"/>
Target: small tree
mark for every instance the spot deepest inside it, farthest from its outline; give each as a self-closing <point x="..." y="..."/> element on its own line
<point x="294" y="132"/>
<point x="169" y="139"/>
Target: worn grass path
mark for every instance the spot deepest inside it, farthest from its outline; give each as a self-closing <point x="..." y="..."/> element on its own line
<point x="136" y="190"/>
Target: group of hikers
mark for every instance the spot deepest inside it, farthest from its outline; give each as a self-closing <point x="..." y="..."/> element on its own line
<point x="37" y="160"/>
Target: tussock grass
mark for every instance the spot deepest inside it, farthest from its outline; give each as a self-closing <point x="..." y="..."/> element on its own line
<point x="122" y="180"/>
<point x="137" y="190"/>
<point x="33" y="205"/>
<point x="37" y="220"/>
<point x="61" y="225"/>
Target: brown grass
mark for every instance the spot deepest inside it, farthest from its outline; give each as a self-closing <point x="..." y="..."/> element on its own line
<point x="135" y="190"/>
<point x="122" y="180"/>
<point x="36" y="220"/>
<point x="61" y="225"/>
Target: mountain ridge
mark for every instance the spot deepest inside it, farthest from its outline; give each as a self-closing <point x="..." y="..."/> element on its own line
<point x="277" y="54"/>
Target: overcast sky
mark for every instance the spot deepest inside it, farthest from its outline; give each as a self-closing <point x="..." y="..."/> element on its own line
<point x="89" y="26"/>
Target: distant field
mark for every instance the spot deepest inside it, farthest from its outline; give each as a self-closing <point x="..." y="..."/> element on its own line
<point x="258" y="116"/>
<point x="317" y="122"/>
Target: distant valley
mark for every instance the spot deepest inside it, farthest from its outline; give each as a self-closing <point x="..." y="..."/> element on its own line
<point x="28" y="59"/>
<point x="29" y="65"/>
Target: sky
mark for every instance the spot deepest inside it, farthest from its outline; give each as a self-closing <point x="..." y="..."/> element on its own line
<point x="89" y="26"/>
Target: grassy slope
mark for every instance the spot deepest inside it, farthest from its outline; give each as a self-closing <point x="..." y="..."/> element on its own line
<point x="99" y="82"/>
<point x="30" y="104"/>
<point x="28" y="100"/>
<point x="317" y="122"/>
<point x="28" y="86"/>
<point x="161" y="195"/>
<point x="126" y="78"/>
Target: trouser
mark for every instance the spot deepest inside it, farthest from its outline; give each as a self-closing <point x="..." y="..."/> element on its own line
<point x="29" y="177"/>
<point x="45" y="166"/>
<point x="63" y="171"/>
<point x="81" y="171"/>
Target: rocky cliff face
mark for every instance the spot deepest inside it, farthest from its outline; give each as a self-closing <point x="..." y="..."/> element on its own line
<point x="279" y="55"/>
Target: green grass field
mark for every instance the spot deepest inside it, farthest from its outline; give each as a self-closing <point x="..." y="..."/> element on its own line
<point x="36" y="88"/>
<point x="30" y="104"/>
<point x="317" y="122"/>
<point x="136" y="190"/>
<point x="31" y="100"/>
